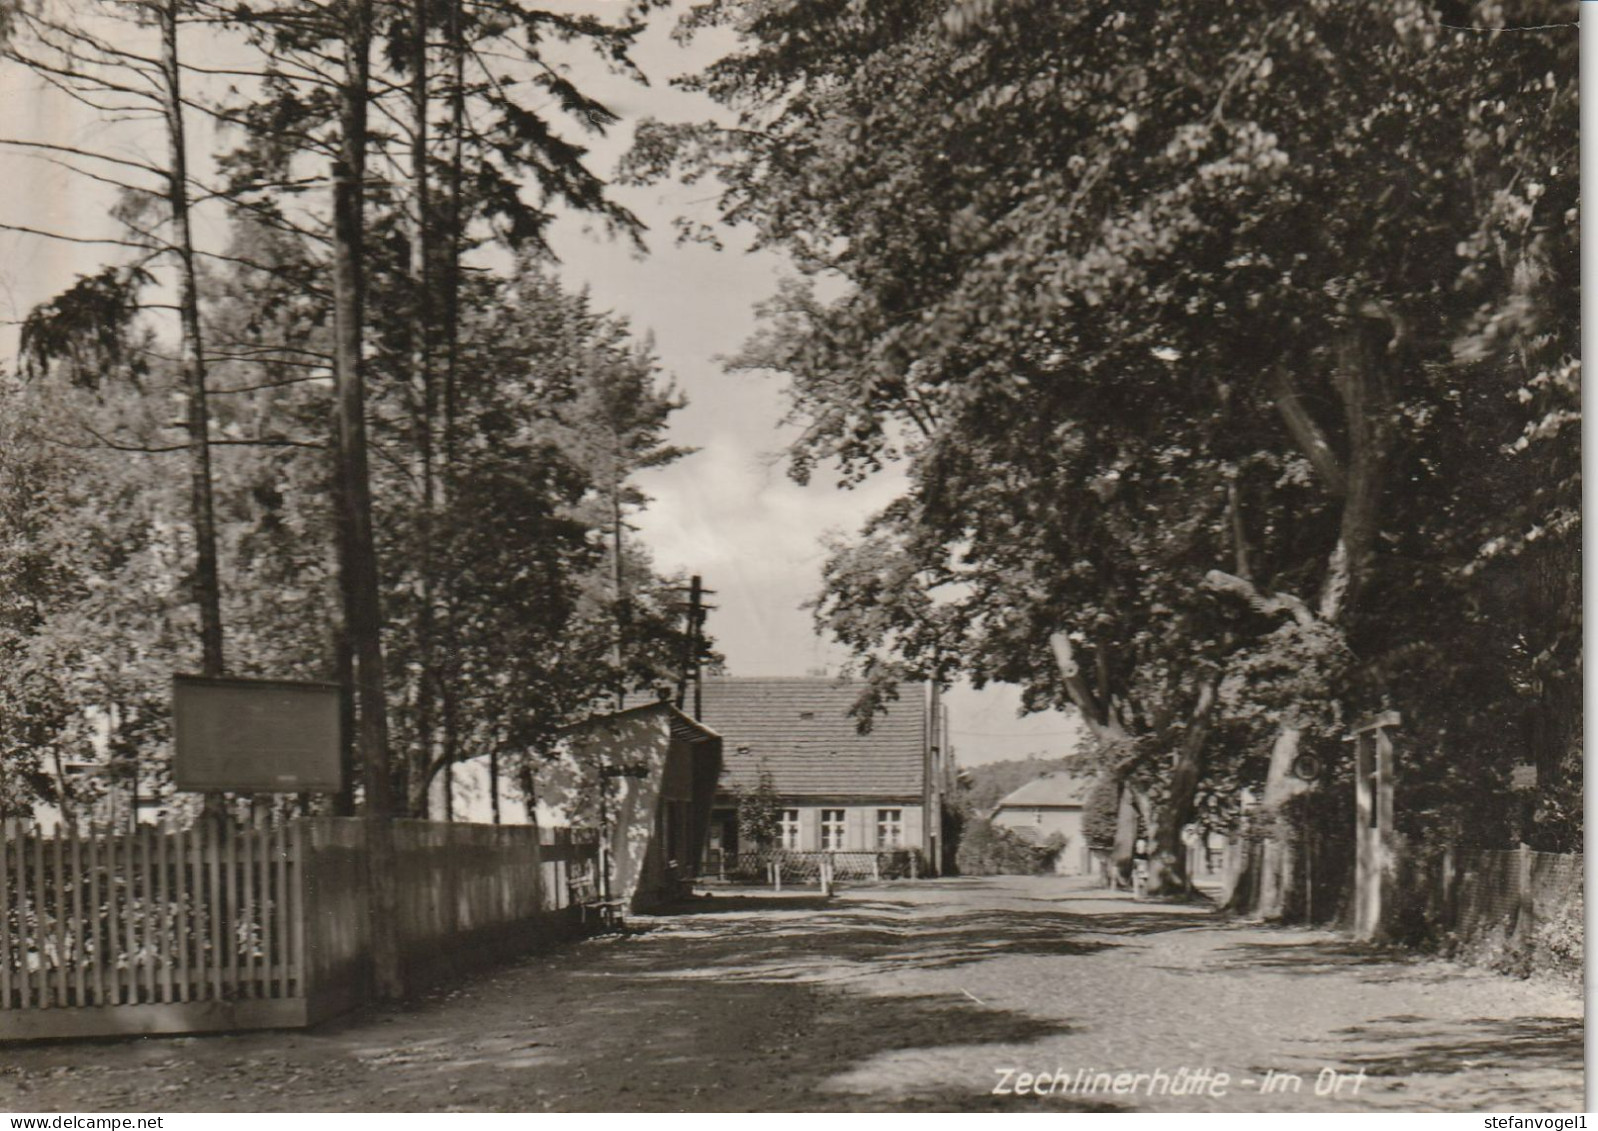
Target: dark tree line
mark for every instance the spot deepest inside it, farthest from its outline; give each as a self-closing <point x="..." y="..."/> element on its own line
<point x="1231" y="351"/>
<point x="378" y="442"/>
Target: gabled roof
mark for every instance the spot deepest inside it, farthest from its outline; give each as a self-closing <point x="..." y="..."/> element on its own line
<point x="1059" y="790"/>
<point x="801" y="730"/>
<point x="683" y="728"/>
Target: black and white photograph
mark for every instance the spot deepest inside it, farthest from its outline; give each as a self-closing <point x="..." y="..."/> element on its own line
<point x="986" y="556"/>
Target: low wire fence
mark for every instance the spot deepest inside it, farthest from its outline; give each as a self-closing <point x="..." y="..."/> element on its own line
<point x="1514" y="910"/>
<point x="805" y="867"/>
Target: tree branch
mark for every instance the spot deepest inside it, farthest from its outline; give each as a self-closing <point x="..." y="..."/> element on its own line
<point x="258" y="442"/>
<point x="1308" y="434"/>
<point x="71" y="239"/>
<point x="1271" y="604"/>
<point x="112" y="181"/>
<point x="278" y="384"/>
<point x="100" y="45"/>
<point x="1106" y="725"/>
<point x="83" y="153"/>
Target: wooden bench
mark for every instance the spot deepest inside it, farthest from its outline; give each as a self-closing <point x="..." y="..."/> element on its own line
<point x="586" y="897"/>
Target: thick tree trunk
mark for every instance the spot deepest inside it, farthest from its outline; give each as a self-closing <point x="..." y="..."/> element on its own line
<point x="423" y="756"/>
<point x="358" y="553"/>
<point x="1553" y="602"/>
<point x="207" y="583"/>
<point x="207" y="572"/>
<point x="619" y="581"/>
<point x="1122" y="857"/>
<point x="1135" y="809"/>
<point x="1264" y="885"/>
<point x="1278" y="861"/>
<point x="1368" y="415"/>
<point x="344" y="676"/>
<point x="1364" y="388"/>
<point x="449" y="667"/>
<point x="1168" y="857"/>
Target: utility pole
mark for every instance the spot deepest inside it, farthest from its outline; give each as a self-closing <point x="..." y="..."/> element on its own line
<point x="696" y="632"/>
<point x="694" y="646"/>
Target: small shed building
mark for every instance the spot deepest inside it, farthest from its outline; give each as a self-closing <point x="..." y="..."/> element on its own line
<point x="1046" y="806"/>
<point x="659" y="768"/>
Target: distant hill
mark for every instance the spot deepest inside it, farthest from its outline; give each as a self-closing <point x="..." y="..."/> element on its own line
<point x="994" y="780"/>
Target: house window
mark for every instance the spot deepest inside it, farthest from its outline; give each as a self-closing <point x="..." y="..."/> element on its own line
<point x="790" y="828"/>
<point x="832" y="829"/>
<point x="890" y="828"/>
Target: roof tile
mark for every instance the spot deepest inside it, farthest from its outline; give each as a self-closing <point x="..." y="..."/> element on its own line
<point x="1061" y="788"/>
<point x="801" y="730"/>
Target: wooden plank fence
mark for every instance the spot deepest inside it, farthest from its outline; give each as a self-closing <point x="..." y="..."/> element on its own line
<point x="169" y="930"/>
<point x="158" y="929"/>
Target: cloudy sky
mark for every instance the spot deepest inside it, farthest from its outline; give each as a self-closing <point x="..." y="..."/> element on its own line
<point x="729" y="512"/>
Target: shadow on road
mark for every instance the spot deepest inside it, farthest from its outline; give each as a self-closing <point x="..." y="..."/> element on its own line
<point x="742" y="903"/>
<point x="761" y="946"/>
<point x="780" y="1047"/>
<point x="739" y="1011"/>
<point x="1152" y="922"/>
<point x="1529" y="1042"/>
<point x="1317" y="955"/>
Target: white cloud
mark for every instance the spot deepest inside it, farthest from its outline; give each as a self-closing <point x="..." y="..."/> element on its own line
<point x="730" y="515"/>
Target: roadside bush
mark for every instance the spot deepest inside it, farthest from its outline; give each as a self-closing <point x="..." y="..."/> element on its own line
<point x="1561" y="939"/>
<point x="1100" y="813"/>
<point x="987" y="849"/>
<point x="1487" y="934"/>
<point x="900" y="864"/>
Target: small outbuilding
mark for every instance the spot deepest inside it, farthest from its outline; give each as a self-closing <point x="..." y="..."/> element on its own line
<point x="1047" y="806"/>
<point x="658" y="770"/>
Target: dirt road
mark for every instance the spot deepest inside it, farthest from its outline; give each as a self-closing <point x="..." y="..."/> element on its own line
<point x="907" y="996"/>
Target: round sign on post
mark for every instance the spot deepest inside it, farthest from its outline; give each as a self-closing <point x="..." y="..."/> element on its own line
<point x="1306" y="767"/>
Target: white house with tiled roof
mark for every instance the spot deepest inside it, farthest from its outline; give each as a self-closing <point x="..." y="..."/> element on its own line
<point x="841" y="791"/>
<point x="1049" y="805"/>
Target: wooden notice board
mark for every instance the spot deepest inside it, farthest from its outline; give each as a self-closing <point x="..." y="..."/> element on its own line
<point x="256" y="735"/>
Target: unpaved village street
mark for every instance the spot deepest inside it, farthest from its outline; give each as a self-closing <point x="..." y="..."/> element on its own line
<point x="907" y="996"/>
